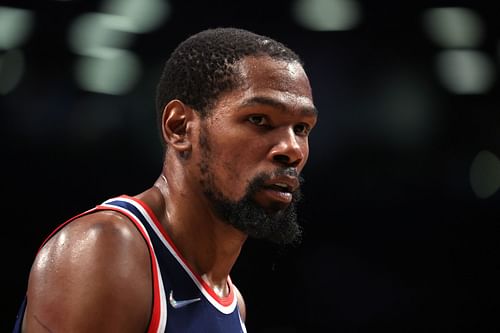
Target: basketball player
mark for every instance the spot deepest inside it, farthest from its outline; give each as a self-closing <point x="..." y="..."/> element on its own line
<point x="235" y="110"/>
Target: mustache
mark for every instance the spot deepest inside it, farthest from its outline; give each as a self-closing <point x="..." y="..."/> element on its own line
<point x="290" y="172"/>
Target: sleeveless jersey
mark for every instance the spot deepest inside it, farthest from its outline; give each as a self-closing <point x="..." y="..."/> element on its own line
<point x="182" y="300"/>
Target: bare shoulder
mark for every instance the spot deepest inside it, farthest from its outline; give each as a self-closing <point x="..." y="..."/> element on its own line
<point x="93" y="275"/>
<point x="241" y="303"/>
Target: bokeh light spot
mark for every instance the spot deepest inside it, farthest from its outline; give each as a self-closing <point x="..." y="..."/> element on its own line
<point x="113" y="73"/>
<point x="465" y="71"/>
<point x="327" y="15"/>
<point x="485" y="174"/>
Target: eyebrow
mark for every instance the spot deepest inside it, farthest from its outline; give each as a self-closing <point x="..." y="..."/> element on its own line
<point x="263" y="100"/>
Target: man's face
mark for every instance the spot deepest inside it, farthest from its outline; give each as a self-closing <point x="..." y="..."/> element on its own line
<point x="253" y="146"/>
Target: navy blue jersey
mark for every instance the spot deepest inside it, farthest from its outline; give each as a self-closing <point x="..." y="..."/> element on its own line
<point x="182" y="300"/>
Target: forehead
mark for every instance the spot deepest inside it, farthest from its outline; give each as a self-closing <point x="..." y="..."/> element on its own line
<point x="265" y="81"/>
<point x="264" y="74"/>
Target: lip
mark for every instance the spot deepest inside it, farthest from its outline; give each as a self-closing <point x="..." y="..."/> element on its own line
<point x="292" y="183"/>
<point x="281" y="189"/>
<point x="276" y="195"/>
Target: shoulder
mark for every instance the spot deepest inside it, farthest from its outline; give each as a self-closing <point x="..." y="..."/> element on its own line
<point x="96" y="267"/>
<point x="98" y="227"/>
<point x="100" y="239"/>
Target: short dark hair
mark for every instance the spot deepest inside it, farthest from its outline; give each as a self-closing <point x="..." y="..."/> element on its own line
<point x="202" y="66"/>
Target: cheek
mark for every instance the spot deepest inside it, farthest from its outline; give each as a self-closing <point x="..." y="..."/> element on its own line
<point x="306" y="152"/>
<point x="231" y="163"/>
<point x="231" y="167"/>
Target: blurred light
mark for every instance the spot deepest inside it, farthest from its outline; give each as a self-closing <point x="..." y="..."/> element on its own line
<point x="146" y="15"/>
<point x="454" y="27"/>
<point x="327" y="15"/>
<point x="15" y="25"/>
<point x="92" y="32"/>
<point x="115" y="72"/>
<point x="11" y="70"/>
<point x="407" y="108"/>
<point x="465" y="71"/>
<point x="485" y="174"/>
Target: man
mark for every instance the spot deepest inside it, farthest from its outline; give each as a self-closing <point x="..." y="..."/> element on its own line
<point x="235" y="110"/>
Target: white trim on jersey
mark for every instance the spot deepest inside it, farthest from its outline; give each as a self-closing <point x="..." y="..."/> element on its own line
<point x="243" y="327"/>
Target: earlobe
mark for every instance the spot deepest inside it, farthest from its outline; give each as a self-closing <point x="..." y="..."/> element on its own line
<point x="176" y="126"/>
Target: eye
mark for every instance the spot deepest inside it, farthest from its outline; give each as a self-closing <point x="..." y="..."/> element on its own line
<point x="258" y="120"/>
<point x="302" y="129"/>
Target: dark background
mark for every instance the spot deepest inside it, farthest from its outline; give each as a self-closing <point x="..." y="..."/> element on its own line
<point x="395" y="237"/>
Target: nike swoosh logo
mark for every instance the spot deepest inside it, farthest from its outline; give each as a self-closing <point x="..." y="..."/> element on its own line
<point x="179" y="304"/>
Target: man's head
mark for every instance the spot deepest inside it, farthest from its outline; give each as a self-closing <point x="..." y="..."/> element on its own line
<point x="203" y="66"/>
<point x="239" y="128"/>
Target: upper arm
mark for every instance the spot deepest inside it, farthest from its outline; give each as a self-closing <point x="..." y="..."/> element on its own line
<point x="241" y="303"/>
<point x="92" y="276"/>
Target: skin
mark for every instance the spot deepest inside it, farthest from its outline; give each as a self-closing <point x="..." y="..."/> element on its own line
<point x="95" y="276"/>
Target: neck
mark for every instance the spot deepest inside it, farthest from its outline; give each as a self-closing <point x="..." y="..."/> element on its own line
<point x="209" y="245"/>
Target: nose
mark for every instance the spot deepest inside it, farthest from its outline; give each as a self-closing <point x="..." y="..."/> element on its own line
<point x="290" y="150"/>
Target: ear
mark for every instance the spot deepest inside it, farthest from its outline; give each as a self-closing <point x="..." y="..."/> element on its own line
<point x="177" y="126"/>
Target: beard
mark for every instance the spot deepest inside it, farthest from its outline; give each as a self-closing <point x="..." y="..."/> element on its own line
<point x="275" y="223"/>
